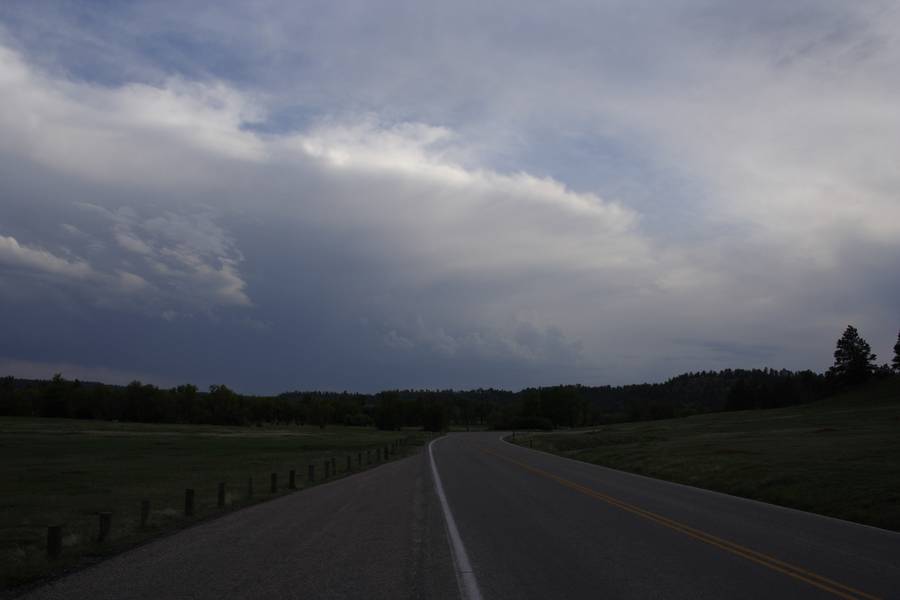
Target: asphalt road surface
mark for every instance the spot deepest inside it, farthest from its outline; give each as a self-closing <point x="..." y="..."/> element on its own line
<point x="536" y="525"/>
<point x="476" y="517"/>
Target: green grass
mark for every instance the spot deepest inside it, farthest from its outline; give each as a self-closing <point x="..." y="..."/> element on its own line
<point x="838" y="457"/>
<point x="66" y="471"/>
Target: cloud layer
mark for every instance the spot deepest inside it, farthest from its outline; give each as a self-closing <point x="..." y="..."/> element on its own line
<point x="596" y="194"/>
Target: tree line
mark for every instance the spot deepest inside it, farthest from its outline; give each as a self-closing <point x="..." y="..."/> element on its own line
<point x="146" y="403"/>
<point x="436" y="410"/>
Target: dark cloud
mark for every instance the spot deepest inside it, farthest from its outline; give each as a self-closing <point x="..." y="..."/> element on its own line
<point x="422" y="196"/>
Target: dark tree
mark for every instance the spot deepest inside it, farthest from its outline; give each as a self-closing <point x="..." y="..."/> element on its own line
<point x="435" y="417"/>
<point x="853" y="358"/>
<point x="388" y="410"/>
<point x="896" y="362"/>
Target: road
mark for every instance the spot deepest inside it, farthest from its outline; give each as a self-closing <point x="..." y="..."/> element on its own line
<point x="499" y="521"/>
<point x="378" y="534"/>
<point x="536" y="525"/>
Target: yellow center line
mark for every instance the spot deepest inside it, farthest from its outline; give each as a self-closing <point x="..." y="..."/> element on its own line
<point x="823" y="583"/>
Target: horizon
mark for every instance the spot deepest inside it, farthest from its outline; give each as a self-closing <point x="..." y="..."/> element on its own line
<point x="373" y="393"/>
<point x="287" y="196"/>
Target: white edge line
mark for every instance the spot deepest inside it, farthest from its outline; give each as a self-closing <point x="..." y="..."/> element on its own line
<point x="465" y="577"/>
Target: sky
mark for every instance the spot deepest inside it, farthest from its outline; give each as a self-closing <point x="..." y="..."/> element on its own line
<point x="279" y="195"/>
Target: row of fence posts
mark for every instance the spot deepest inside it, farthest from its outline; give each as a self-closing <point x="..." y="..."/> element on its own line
<point x="329" y="467"/>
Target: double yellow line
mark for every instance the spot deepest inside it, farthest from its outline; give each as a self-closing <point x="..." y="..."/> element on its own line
<point x="823" y="583"/>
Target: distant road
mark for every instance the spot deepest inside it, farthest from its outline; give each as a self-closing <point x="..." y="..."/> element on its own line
<point x="524" y="525"/>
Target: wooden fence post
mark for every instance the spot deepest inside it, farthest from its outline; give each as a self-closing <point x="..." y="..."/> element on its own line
<point x="349" y="464"/>
<point x="189" y="502"/>
<point x="326" y="467"/>
<point x="312" y="472"/>
<point x="103" y="526"/>
<point x="333" y="466"/>
<point x="292" y="479"/>
<point x="54" y="541"/>
<point x="145" y="513"/>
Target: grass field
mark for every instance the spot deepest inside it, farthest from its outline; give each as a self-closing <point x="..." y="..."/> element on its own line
<point x="66" y="471"/>
<point x="838" y="457"/>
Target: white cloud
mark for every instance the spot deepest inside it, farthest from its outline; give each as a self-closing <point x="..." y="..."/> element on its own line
<point x="131" y="282"/>
<point x="785" y="158"/>
<point x="392" y="181"/>
<point x="132" y="243"/>
<point x="72" y="230"/>
<point x="133" y="134"/>
<point x="190" y="259"/>
<point x="36" y="260"/>
<point x="394" y="340"/>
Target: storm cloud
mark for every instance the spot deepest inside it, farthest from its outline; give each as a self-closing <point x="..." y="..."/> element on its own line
<point x="280" y="195"/>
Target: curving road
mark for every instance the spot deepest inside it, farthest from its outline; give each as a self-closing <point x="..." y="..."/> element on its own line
<point x="476" y="517"/>
<point x="536" y="525"/>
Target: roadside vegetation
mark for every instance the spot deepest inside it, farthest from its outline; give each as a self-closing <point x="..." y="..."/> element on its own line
<point x="838" y="457"/>
<point x="66" y="471"/>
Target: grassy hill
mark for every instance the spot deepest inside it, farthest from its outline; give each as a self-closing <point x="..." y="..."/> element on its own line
<point x="837" y="457"/>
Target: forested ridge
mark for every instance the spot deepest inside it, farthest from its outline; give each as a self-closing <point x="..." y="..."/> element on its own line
<point x="545" y="407"/>
<point x="535" y="408"/>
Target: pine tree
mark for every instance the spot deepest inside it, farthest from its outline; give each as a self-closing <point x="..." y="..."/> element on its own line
<point x="896" y="362"/>
<point x="853" y="358"/>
